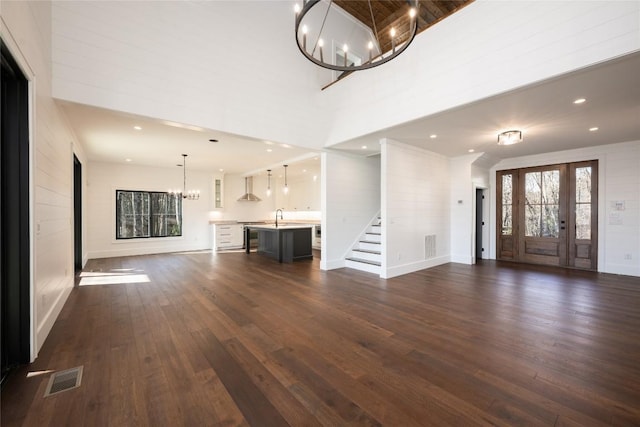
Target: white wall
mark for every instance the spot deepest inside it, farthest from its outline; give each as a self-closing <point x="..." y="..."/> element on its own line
<point x="618" y="180"/>
<point x="26" y="30"/>
<point x="513" y="44"/>
<point x="220" y="65"/>
<point x="462" y="208"/>
<point x="415" y="203"/>
<point x="350" y="195"/>
<point x="106" y="178"/>
<point x="247" y="211"/>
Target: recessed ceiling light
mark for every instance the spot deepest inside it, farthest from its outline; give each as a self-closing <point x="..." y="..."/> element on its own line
<point x="593" y="129"/>
<point x="433" y="136"/>
<point x="213" y="140"/>
<point x="268" y="142"/>
<point x="221" y="170"/>
<point x="364" y="147"/>
<point x="269" y="150"/>
<point x="285" y="145"/>
<point x="128" y="160"/>
<point x="315" y="158"/>
<point x="579" y="101"/>
<point x="304" y="170"/>
<point x="471" y="150"/>
<point x="137" y="128"/>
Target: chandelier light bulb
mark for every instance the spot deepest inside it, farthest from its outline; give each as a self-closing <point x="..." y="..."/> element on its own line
<point x="345" y="48"/>
<point x="320" y="42"/>
<point x="296" y="8"/>
<point x="412" y="12"/>
<point x="392" y="32"/>
<point x="370" y="45"/>
<point x="304" y="37"/>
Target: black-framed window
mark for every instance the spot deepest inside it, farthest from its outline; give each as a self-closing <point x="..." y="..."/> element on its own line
<point x="142" y="214"/>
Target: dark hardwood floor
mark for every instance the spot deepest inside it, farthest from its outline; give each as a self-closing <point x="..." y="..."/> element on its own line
<point x="235" y="339"/>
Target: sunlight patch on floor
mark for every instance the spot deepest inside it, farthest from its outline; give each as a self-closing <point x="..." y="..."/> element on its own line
<point x="90" y="278"/>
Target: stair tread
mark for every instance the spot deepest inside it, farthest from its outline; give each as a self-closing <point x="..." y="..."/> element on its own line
<point x="368" y="251"/>
<point x="370" y="241"/>
<point x="364" y="261"/>
<point x="373" y="233"/>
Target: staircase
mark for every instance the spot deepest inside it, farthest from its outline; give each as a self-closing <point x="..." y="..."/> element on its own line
<point x="366" y="255"/>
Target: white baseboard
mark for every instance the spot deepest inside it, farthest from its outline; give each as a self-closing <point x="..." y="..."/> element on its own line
<point x="44" y="327"/>
<point x="625" y="270"/>
<point x="462" y="259"/>
<point x="111" y="253"/>
<point x="399" y="270"/>
<point x="331" y="265"/>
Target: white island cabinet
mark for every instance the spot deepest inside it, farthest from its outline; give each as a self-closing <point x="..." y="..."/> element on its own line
<point x="227" y="236"/>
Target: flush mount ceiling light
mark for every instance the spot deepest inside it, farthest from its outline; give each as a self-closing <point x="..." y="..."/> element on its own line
<point x="510" y="137"/>
<point x="369" y="45"/>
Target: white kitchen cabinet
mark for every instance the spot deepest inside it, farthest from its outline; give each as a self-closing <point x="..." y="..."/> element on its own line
<point x="304" y="194"/>
<point x="227" y="236"/>
<point x="217" y="201"/>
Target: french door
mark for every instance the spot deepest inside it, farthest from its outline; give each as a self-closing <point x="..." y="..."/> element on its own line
<point x="548" y="215"/>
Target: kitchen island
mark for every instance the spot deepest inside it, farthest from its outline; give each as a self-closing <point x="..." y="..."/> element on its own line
<point x="285" y="243"/>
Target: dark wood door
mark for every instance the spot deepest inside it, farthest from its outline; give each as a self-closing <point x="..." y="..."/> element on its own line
<point x="543" y="215"/>
<point x="583" y="215"/>
<point x="548" y="215"/>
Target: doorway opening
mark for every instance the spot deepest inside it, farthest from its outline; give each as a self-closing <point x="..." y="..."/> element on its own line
<point x="77" y="213"/>
<point x="14" y="216"/>
<point x="480" y="224"/>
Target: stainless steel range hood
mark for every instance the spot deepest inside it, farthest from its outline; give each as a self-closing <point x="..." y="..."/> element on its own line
<point x="248" y="195"/>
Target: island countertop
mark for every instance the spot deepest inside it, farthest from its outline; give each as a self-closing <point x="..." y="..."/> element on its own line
<point x="287" y="226"/>
<point x="285" y="243"/>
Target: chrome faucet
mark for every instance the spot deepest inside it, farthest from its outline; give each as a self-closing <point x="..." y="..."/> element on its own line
<point x="278" y="210"/>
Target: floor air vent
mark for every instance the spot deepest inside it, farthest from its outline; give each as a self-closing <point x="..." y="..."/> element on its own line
<point x="430" y="246"/>
<point x="63" y="381"/>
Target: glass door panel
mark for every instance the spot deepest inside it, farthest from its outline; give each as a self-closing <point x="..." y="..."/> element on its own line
<point x="507" y="182"/>
<point x="543" y="240"/>
<point x="583" y="219"/>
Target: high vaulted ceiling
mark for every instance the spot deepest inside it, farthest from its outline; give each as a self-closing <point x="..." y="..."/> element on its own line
<point x="395" y="13"/>
<point x="543" y="110"/>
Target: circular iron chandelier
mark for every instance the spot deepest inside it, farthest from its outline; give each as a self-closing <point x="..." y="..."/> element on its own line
<point x="343" y="60"/>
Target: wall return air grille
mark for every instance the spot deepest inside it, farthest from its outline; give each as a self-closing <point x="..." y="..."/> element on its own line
<point x="430" y="246"/>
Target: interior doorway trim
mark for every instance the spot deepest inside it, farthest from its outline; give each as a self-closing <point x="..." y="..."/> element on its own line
<point x="485" y="218"/>
<point x="10" y="43"/>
